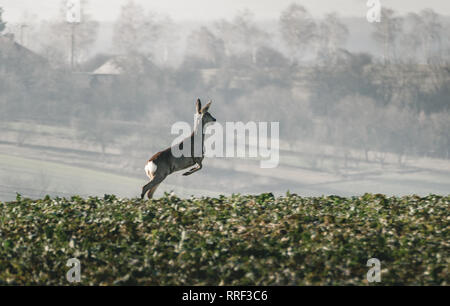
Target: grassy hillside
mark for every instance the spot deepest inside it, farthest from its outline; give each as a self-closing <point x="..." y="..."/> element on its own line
<point x="237" y="240"/>
<point x="36" y="178"/>
<point x="53" y="160"/>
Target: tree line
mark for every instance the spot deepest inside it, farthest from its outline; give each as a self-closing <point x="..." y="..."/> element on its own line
<point x="299" y="72"/>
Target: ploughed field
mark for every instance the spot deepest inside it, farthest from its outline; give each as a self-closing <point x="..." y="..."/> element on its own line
<point x="236" y="240"/>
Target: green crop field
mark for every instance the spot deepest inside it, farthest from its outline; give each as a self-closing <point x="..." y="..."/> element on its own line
<point x="236" y="240"/>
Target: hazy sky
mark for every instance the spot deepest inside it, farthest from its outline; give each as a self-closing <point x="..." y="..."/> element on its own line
<point x="107" y="10"/>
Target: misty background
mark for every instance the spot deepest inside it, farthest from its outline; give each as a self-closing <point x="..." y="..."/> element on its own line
<point x="363" y="107"/>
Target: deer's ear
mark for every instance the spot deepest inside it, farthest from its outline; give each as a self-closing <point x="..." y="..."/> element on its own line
<point x="198" y="106"/>
<point x="206" y="108"/>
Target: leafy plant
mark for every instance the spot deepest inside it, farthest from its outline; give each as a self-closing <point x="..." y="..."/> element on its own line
<point x="236" y="240"/>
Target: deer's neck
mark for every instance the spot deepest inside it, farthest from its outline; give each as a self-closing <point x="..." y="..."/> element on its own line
<point x="198" y="137"/>
<point x="199" y="131"/>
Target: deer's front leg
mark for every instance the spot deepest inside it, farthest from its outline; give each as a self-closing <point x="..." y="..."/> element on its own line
<point x="193" y="170"/>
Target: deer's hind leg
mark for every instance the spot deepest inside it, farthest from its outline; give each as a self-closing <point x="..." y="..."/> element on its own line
<point x="151" y="186"/>
<point x="146" y="188"/>
<point x="150" y="171"/>
<point x="152" y="191"/>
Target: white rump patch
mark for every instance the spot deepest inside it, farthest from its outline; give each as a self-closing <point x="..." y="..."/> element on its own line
<point x="150" y="169"/>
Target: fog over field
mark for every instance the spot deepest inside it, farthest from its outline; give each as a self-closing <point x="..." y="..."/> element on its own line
<point x="362" y="107"/>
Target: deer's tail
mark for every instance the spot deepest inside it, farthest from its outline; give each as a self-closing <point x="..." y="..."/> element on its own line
<point x="150" y="169"/>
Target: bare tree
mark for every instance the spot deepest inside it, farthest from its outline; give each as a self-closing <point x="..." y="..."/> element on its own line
<point x="333" y="34"/>
<point x="424" y="35"/>
<point x="298" y="30"/>
<point x="357" y="118"/>
<point x="165" y="48"/>
<point x="134" y="31"/>
<point x="241" y="35"/>
<point x="204" y="46"/>
<point x="103" y="132"/>
<point x="387" y="32"/>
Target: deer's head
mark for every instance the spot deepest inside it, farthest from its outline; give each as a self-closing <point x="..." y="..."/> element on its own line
<point x="203" y="114"/>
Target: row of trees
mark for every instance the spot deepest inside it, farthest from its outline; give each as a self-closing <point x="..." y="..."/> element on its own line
<point x="418" y="37"/>
<point x="300" y="75"/>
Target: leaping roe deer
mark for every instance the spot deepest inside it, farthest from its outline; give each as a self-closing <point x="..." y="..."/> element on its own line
<point x="164" y="163"/>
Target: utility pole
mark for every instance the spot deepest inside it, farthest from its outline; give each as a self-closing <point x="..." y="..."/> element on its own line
<point x="22" y="26"/>
<point x="73" y="17"/>
<point x="72" y="47"/>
